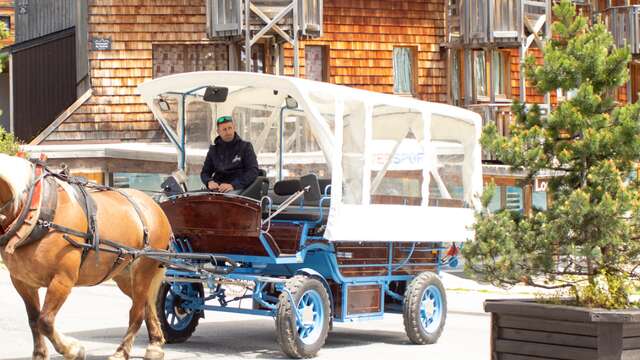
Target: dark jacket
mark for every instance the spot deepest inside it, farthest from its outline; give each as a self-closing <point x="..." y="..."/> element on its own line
<point x="234" y="163"/>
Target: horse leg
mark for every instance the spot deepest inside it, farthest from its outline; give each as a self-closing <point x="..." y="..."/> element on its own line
<point x="156" y="338"/>
<point x="141" y="286"/>
<point x="57" y="293"/>
<point x="32" y="303"/>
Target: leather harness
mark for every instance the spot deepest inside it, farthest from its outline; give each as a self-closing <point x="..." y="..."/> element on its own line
<point x="36" y="217"/>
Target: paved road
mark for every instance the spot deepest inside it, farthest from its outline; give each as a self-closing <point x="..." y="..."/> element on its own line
<point x="98" y="317"/>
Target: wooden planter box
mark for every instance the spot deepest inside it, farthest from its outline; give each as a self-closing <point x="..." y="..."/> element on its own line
<point x="525" y="330"/>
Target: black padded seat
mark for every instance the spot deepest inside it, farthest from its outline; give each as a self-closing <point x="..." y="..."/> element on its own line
<point x="259" y="187"/>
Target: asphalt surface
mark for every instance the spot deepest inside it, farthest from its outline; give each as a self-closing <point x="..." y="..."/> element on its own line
<point x="97" y="316"/>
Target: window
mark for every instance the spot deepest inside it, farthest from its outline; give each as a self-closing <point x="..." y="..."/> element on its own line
<point x="482" y="76"/>
<point x="500" y="80"/>
<point x="404" y="71"/>
<point x="7" y="21"/>
<point x="456" y="74"/>
<point x="397" y="161"/>
<point x="173" y="58"/>
<point x="316" y="66"/>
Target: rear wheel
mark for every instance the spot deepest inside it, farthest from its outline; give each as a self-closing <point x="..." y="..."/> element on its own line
<point x="178" y="322"/>
<point x="303" y="330"/>
<point x="425" y="309"/>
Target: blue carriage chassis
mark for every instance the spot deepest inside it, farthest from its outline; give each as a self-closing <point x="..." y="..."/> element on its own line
<point x="316" y="258"/>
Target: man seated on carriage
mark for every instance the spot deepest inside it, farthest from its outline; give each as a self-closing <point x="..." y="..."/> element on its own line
<point x="231" y="163"/>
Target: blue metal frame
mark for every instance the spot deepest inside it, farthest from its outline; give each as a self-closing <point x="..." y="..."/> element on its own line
<point x="314" y="257"/>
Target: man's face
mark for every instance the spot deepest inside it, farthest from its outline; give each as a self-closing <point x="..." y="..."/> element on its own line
<point x="226" y="131"/>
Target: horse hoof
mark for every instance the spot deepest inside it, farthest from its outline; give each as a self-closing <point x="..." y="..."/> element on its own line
<point x="76" y="353"/>
<point x="154" y="352"/>
<point x="40" y="356"/>
<point x="117" y="356"/>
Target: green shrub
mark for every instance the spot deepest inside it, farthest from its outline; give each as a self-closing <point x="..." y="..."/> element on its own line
<point x="8" y="143"/>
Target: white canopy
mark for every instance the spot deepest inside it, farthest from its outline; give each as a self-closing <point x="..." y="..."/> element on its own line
<point x="352" y="128"/>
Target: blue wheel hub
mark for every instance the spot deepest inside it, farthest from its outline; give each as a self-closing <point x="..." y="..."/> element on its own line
<point x="431" y="309"/>
<point x="309" y="317"/>
<point x="176" y="309"/>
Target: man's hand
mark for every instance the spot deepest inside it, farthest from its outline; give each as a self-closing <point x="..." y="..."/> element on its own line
<point x="223" y="188"/>
<point x="213" y="186"/>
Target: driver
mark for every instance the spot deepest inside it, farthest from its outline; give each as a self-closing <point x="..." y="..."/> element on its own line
<point x="231" y="164"/>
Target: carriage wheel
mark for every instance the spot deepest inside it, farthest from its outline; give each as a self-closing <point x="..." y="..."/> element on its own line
<point x="177" y="322"/>
<point x="302" y="333"/>
<point x="425" y="309"/>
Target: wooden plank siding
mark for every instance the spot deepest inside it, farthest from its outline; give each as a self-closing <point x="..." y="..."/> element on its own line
<point x="7" y="9"/>
<point x="36" y="18"/>
<point x="43" y="79"/>
<point x="116" y="112"/>
<point x="360" y="36"/>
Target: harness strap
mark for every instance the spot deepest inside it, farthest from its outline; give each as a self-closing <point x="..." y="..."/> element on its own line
<point x="26" y="208"/>
<point x="92" y="224"/>
<point x="145" y="228"/>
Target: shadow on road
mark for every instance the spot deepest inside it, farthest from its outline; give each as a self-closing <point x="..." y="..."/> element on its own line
<point x="242" y="339"/>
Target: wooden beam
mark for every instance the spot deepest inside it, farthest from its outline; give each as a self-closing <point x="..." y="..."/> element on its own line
<point x="62" y="117"/>
<point x="271" y="23"/>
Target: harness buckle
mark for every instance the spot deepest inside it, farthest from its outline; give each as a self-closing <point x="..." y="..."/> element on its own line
<point x="45" y="224"/>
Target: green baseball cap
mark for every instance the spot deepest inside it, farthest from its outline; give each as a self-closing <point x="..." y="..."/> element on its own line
<point x="224" y="119"/>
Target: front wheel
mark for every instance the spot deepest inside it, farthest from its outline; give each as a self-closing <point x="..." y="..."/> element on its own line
<point x="425" y="309"/>
<point x="178" y="322"/>
<point x="302" y="325"/>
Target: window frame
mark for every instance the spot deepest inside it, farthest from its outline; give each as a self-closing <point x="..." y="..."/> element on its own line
<point x="505" y="92"/>
<point x="325" y="52"/>
<point x="413" y="57"/>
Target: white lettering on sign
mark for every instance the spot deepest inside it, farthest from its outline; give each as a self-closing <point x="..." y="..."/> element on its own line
<point x="541" y="185"/>
<point x="100" y="44"/>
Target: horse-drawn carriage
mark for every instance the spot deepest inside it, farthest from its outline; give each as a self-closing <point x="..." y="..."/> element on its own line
<point x="359" y="195"/>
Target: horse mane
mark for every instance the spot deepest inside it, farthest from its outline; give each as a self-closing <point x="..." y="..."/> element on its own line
<point x="17" y="172"/>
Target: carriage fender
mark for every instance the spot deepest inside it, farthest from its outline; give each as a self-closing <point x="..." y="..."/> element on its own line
<point x="316" y="275"/>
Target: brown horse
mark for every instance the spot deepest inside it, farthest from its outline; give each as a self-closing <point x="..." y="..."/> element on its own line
<point x="54" y="263"/>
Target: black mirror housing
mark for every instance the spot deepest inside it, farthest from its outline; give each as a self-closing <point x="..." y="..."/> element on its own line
<point x="215" y="94"/>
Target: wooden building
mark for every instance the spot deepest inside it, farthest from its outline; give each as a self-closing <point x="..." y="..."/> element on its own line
<point x="8" y="19"/>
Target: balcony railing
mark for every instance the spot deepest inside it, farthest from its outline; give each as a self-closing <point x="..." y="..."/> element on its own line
<point x="624" y="24"/>
<point x="227" y="18"/>
<point x="506" y="22"/>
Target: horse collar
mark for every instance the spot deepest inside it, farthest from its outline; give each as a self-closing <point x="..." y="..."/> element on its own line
<point x="14" y="234"/>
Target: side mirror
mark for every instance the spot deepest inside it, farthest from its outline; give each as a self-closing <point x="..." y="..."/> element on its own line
<point x="215" y="94"/>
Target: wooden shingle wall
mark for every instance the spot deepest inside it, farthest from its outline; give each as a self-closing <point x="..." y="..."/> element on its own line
<point x="116" y="112"/>
<point x="7" y="9"/>
<point x="361" y="35"/>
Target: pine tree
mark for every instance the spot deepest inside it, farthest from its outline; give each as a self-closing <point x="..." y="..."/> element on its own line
<point x="587" y="241"/>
